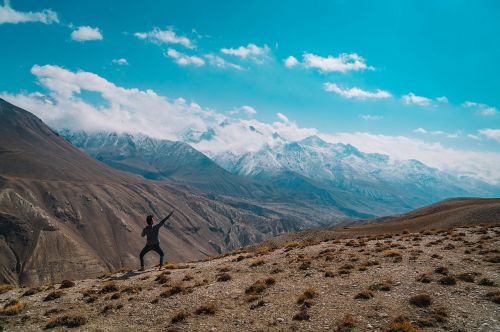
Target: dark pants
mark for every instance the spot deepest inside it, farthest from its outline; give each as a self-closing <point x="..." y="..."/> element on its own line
<point x="148" y="248"/>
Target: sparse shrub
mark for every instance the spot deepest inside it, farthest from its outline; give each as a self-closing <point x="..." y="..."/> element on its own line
<point x="364" y="295"/>
<point x="132" y="290"/>
<point x="172" y="291"/>
<point x="256" y="288"/>
<point x="400" y="324"/>
<point x="304" y="298"/>
<point x="301" y="315"/>
<point x="171" y="266"/>
<point x="32" y="291"/>
<point x="53" y="295"/>
<point x="207" y="309"/>
<point x="492" y="259"/>
<point x="109" y="287"/>
<point x="12" y="308"/>
<point x="424" y="278"/>
<point x="106" y="308"/>
<point x="179" y="317"/>
<point x="305" y="265"/>
<point x="347" y="324"/>
<point x="467" y="277"/>
<point x="261" y="250"/>
<point x="269" y="281"/>
<point x="276" y="271"/>
<point x="91" y="299"/>
<point x="187" y="277"/>
<point x="223" y="277"/>
<point x="115" y="296"/>
<point x="448" y="280"/>
<point x="5" y="288"/>
<point x="69" y="321"/>
<point x="329" y="274"/>
<point x="291" y="245"/>
<point x="384" y="286"/>
<point x="421" y="300"/>
<point x="259" y="304"/>
<point x="162" y="279"/>
<point x="391" y="253"/>
<point x="224" y="269"/>
<point x="494" y="296"/>
<point x="441" y="270"/>
<point x="257" y="262"/>
<point x="67" y="284"/>
<point x="486" y="282"/>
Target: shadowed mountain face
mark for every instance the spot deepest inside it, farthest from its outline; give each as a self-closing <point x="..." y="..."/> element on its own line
<point x="64" y="214"/>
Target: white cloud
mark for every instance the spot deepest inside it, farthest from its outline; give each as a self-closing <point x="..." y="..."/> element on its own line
<point x="442" y="99"/>
<point x="249" y="110"/>
<point x="120" y="61"/>
<point x="493" y="134"/>
<point x="132" y="110"/>
<point x="282" y="117"/>
<point x="343" y="63"/>
<point x="480" y="108"/>
<point x="356" y="92"/>
<point x="251" y="51"/>
<point x="220" y="62"/>
<point x="291" y="61"/>
<point x="185" y="60"/>
<point x="469" y="104"/>
<point x="165" y="37"/>
<point x="10" y="15"/>
<point x="420" y="131"/>
<point x="368" y="117"/>
<point x="86" y="33"/>
<point x="411" y="98"/>
<point x="474" y="137"/>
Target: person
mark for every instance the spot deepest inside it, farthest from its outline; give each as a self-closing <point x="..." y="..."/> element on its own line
<point x="152" y="240"/>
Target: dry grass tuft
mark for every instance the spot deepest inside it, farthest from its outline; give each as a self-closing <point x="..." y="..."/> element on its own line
<point x="223" y="277"/>
<point x="400" y="324"/>
<point x="206" y="309"/>
<point x="5" y="288"/>
<point x="177" y="289"/>
<point x="301" y="315"/>
<point x="32" y="291"/>
<point x="441" y="270"/>
<point x="486" y="282"/>
<point x="259" y="286"/>
<point x="162" y="279"/>
<point x="391" y="253"/>
<point x="53" y="295"/>
<point x="12" y="308"/>
<point x="467" y="277"/>
<point x="67" y="321"/>
<point x="421" y="300"/>
<point x="364" y="295"/>
<point x="109" y="287"/>
<point x="257" y="262"/>
<point x="66" y="284"/>
<point x="347" y="324"/>
<point x="447" y="280"/>
<point x="179" y="317"/>
<point x="384" y="286"/>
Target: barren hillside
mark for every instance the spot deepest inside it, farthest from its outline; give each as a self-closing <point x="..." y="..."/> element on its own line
<point x="431" y="280"/>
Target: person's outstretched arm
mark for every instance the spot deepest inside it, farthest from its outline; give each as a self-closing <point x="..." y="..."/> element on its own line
<point x="161" y="223"/>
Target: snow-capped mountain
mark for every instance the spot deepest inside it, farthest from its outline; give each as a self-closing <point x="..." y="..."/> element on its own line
<point x="373" y="177"/>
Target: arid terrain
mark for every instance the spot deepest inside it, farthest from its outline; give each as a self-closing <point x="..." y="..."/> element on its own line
<point x="436" y="279"/>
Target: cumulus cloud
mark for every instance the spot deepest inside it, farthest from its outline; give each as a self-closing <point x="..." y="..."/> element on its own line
<point x="420" y="131"/>
<point x="412" y="99"/>
<point x="10" y="15"/>
<point x="343" y="63"/>
<point x="165" y="37"/>
<point x="219" y="62"/>
<point x="356" y="92"/>
<point x="291" y="61"/>
<point x="63" y="104"/>
<point x="86" y="33"/>
<point x="185" y="60"/>
<point x="251" y="51"/>
<point x="120" y="61"/>
<point x="442" y="99"/>
<point x="249" y="110"/>
<point x="480" y="108"/>
<point x="493" y="134"/>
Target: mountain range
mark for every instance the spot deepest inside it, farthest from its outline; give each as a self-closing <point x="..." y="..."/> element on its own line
<point x="64" y="214"/>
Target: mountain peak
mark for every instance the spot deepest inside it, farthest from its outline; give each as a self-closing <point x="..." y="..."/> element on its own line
<point x="314" y="140"/>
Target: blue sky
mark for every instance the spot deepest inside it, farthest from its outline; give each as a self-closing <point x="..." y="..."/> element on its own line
<point x="359" y="68"/>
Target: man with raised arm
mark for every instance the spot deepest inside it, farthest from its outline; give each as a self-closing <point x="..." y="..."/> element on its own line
<point x="152" y="239"/>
